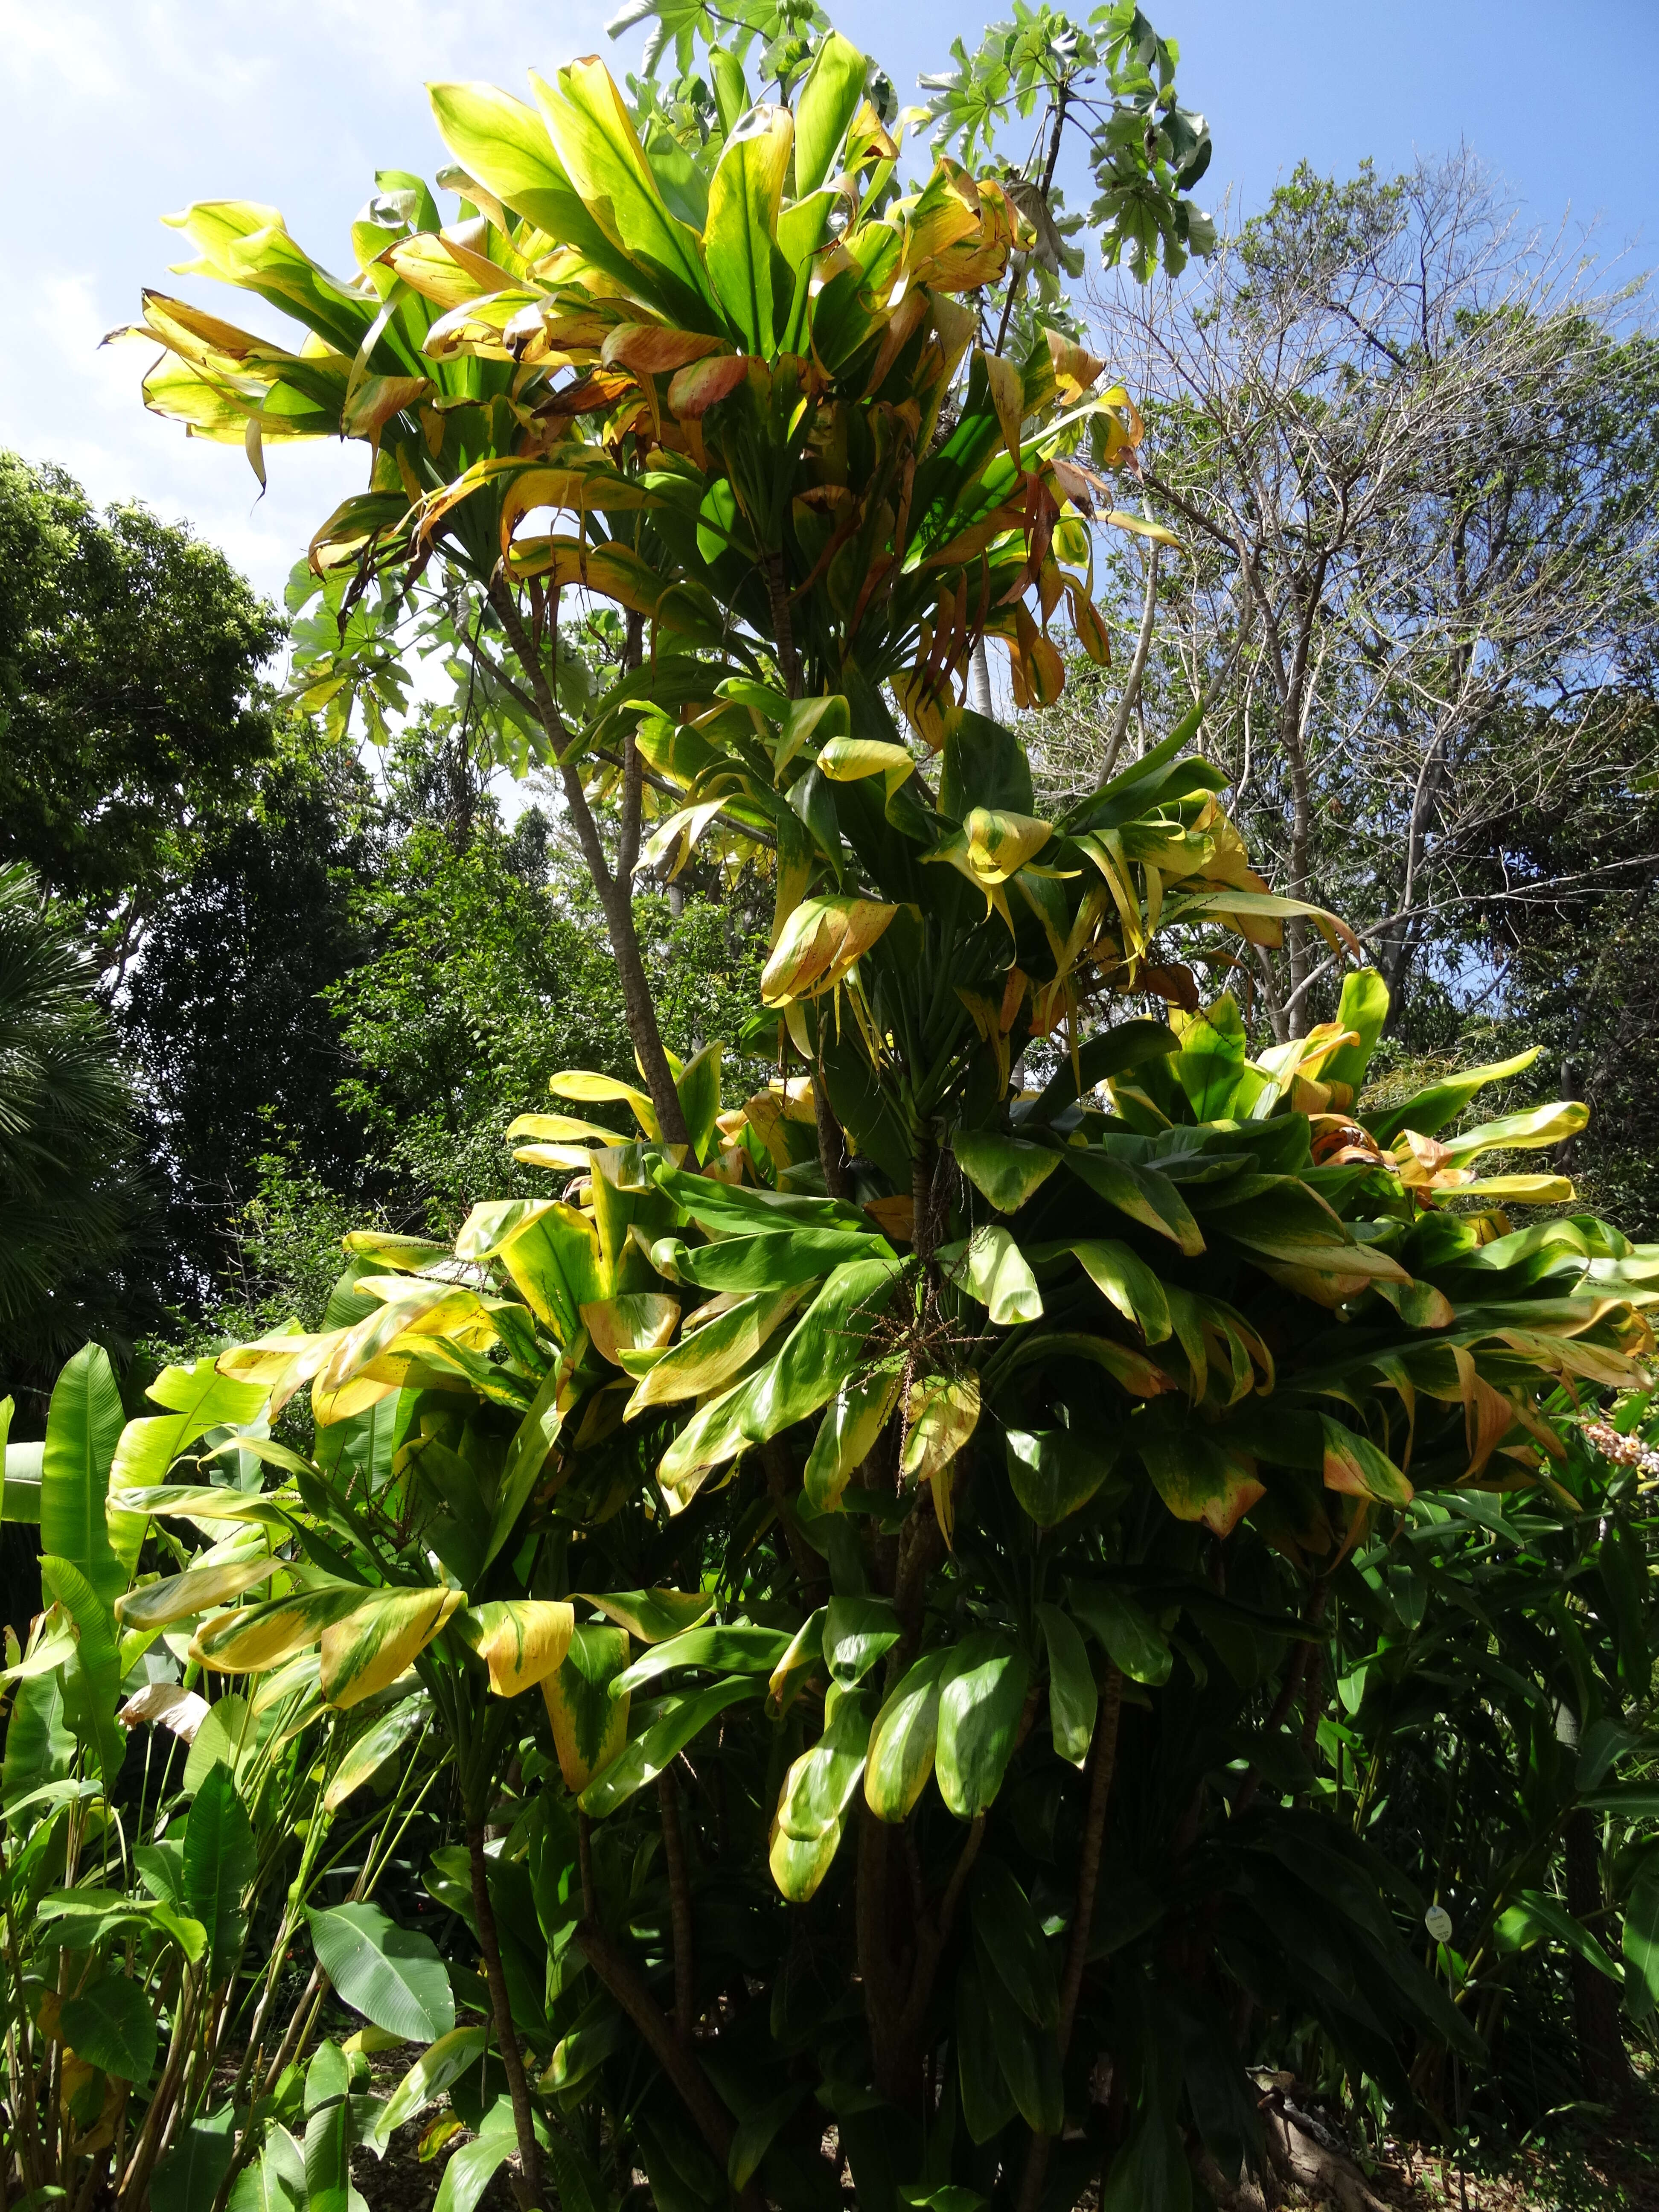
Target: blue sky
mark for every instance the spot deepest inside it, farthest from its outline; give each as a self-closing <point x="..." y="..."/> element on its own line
<point x="116" y="111"/>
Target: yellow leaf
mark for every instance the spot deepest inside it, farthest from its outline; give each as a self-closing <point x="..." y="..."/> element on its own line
<point x="521" y="1640"/>
<point x="371" y="1646"/>
<point x="818" y="944"/>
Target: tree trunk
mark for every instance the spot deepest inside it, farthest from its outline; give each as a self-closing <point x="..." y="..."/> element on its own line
<point x="527" y="2183"/>
<point x="1603" y="2063"/>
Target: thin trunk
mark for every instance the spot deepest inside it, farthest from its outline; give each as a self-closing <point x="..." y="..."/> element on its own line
<point x="1604" y="2066"/>
<point x="979" y="679"/>
<point x="1131" y="682"/>
<point x="527" y="2184"/>
<point x="677" y="2058"/>
<point x="679" y="1903"/>
<point x="614" y="890"/>
<point x="832" y="1140"/>
<point x="1083" y="1910"/>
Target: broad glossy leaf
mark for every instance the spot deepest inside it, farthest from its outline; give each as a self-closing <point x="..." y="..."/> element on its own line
<point x="188" y="2178"/>
<point x="92" y="1675"/>
<point x="709" y="1358"/>
<point x="824" y="1347"/>
<point x="739" y="1649"/>
<point x="779" y="1262"/>
<point x="219" y="1865"/>
<point x="1073" y="1700"/>
<point x="177" y="1597"/>
<point x="988" y="2102"/>
<point x="982" y="1695"/>
<point x="991" y="1267"/>
<point x="744" y="194"/>
<point x="902" y="1742"/>
<point x="1428" y="1111"/>
<point x="1053" y="1473"/>
<point x="653" y="1615"/>
<point x="857" y="1632"/>
<point x="521" y="1640"/>
<point x="111" y="2025"/>
<point x="1131" y="1640"/>
<point x="1199" y="1478"/>
<point x="824" y="108"/>
<point x="658" y="1747"/>
<point x="199" y="1398"/>
<point x="275" y="2181"/>
<point x="255" y="1636"/>
<point x="1354" y="1465"/>
<point x="370" y="1752"/>
<point x="793" y="1672"/>
<point x="590" y="1726"/>
<point x="819" y="942"/>
<point x="1363" y="1008"/>
<point x="1133" y="1287"/>
<point x="1141" y="1192"/>
<point x="368" y="1651"/>
<point x="83" y="1426"/>
<point x="526" y="1456"/>
<point x="393" y="1976"/>
<point x="1004" y="1169"/>
<point x="437" y="2068"/>
<point x="1013" y="1950"/>
<point x="848" y="1432"/>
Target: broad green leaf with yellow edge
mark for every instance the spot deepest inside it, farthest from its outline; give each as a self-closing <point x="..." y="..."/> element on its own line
<point x="590" y="1726"/>
<point x="521" y="1640"/>
<point x="370" y="1648"/>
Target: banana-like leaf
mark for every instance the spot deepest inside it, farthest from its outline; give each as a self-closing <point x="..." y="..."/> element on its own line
<point x="257" y="1636"/>
<point x="84" y="1427"/>
<point x="157" y="1605"/>
<point x="366" y="1650"/>
<point x="437" y="2068"/>
<point x="393" y="1976"/>
<point x="521" y="1640"/>
<point x="219" y="1864"/>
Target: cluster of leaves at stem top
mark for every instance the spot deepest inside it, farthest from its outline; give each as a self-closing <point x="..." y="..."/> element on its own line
<point x="854" y="1557"/>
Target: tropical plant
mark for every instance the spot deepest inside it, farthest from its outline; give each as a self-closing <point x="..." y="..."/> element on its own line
<point x="920" y="1489"/>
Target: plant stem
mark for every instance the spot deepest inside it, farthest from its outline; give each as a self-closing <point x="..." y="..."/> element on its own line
<point x="679" y="1903"/>
<point x="528" y="2187"/>
<point x="1083" y="1912"/>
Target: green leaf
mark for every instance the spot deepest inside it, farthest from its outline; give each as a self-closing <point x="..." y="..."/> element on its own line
<point x="988" y="2102"/>
<point x="904" y="1741"/>
<point x="1130" y="1639"/>
<point x="824" y="108"/>
<point x="92" y="1678"/>
<point x="470" y="2169"/>
<point x="1133" y="1287"/>
<point x="590" y="1726"/>
<point x="82" y="1429"/>
<point x="39" y="1746"/>
<point x="275" y="2182"/>
<point x="847" y="1433"/>
<point x="653" y="1615"/>
<point x="393" y="1976"/>
<point x="1053" y="1473"/>
<point x="981" y="1694"/>
<point x="1011" y="1946"/>
<point x="754" y="2136"/>
<point x="187" y="2179"/>
<point x="744" y="194"/>
<point x="1364" y="1008"/>
<point x="199" y="1398"/>
<point x="857" y="1632"/>
<point x="224" y="1735"/>
<point x="991" y="1267"/>
<point x="1428" y="1111"/>
<point x="218" y="1868"/>
<point x="1073" y="1700"/>
<point x="1642" y="1946"/>
<point x="1142" y="1194"/>
<point x="437" y="2068"/>
<point x="1537" y="1917"/>
<point x="111" y="2025"/>
<point x="824" y="1349"/>
<point x="644" y="1759"/>
<point x="739" y="1649"/>
<point x="1004" y="1169"/>
<point x="526" y="1455"/>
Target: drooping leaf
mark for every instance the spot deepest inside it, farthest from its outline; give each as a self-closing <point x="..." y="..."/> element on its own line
<point x="982" y="1695"/>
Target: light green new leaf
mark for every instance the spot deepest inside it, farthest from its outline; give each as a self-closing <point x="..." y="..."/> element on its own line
<point x="1073" y="1700"/>
<point x="436" y="2070"/>
<point x="991" y="1267"/>
<point x="824" y="109"/>
<point x="83" y="1426"/>
<point x="1363" y="1008"/>
<point x="744" y="194"/>
<point x="275" y="2181"/>
<point x="981" y="1694"/>
<point x="198" y="1398"/>
<point x="1428" y="1111"/>
<point x="393" y="1976"/>
<point x="903" y="1740"/>
<point x="1520" y="1133"/>
<point x="645" y="1757"/>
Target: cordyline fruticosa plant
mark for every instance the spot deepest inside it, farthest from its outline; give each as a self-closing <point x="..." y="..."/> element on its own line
<point x="917" y="1492"/>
